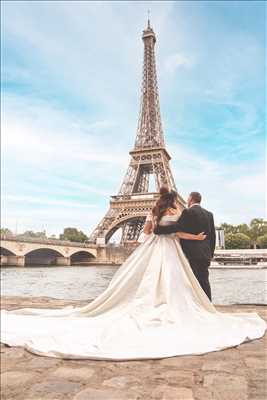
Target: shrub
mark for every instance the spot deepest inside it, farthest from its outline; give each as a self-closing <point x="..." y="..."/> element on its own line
<point x="237" y="241"/>
<point x="262" y="241"/>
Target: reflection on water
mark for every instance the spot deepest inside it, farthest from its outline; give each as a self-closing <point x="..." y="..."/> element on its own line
<point x="228" y="286"/>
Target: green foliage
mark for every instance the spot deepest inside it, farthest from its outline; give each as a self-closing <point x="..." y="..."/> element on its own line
<point x="227" y="228"/>
<point x="262" y="241"/>
<point x="33" y="235"/>
<point x="256" y="229"/>
<point x="6" y="231"/>
<point x="237" y="241"/>
<point x="243" y="228"/>
<point x="73" y="235"/>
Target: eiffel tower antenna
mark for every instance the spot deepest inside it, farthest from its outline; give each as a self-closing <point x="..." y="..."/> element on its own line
<point x="149" y="157"/>
<point x="148" y="19"/>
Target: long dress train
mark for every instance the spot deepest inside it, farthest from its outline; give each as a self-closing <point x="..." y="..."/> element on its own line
<point x="153" y="307"/>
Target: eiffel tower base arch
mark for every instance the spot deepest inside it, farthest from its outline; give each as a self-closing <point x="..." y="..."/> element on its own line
<point x="125" y="212"/>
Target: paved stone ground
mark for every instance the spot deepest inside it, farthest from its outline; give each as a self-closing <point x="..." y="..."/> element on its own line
<point x="234" y="374"/>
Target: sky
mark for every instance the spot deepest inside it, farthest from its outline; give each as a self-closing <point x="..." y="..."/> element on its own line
<point x="71" y="76"/>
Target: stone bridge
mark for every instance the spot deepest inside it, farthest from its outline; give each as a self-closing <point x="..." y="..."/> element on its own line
<point x="17" y="251"/>
<point x="20" y="252"/>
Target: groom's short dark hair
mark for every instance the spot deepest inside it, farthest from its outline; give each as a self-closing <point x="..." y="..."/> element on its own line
<point x="196" y="197"/>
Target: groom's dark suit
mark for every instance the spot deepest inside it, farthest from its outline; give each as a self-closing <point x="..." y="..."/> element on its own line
<point x="199" y="252"/>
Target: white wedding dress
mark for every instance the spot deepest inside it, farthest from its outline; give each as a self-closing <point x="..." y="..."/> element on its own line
<point x="153" y="307"/>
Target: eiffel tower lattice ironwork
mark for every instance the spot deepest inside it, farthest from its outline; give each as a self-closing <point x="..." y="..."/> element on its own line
<point x="149" y="157"/>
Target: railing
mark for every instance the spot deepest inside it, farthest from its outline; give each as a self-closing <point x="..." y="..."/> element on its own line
<point x="45" y="241"/>
<point x="58" y="242"/>
<point x="245" y="257"/>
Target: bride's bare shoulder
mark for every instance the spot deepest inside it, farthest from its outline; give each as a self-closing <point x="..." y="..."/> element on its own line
<point x="172" y="211"/>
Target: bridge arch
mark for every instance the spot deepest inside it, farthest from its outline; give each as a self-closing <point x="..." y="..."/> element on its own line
<point x="42" y="256"/>
<point x="6" y="252"/>
<point x="82" y="257"/>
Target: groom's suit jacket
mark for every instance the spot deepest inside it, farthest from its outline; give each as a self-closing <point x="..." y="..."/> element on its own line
<point x="194" y="220"/>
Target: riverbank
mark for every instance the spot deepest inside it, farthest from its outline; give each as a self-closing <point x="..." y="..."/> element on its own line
<point x="112" y="264"/>
<point x="233" y="374"/>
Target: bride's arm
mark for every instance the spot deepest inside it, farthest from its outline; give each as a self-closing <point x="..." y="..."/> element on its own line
<point x="191" y="236"/>
<point x="148" y="227"/>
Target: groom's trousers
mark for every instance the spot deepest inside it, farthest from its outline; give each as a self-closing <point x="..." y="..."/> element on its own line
<point x="201" y="272"/>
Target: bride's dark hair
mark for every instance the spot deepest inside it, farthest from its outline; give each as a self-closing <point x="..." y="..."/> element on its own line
<point x="166" y="200"/>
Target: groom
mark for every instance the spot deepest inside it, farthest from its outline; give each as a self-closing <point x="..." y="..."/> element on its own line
<point x="195" y="219"/>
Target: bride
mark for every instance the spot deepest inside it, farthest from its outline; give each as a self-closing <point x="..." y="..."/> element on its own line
<point x="153" y="307"/>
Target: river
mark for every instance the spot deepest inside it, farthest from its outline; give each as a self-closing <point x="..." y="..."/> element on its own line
<point x="229" y="286"/>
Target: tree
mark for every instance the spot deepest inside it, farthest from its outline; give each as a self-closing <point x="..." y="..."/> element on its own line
<point x="228" y="228"/>
<point x="34" y="235"/>
<point x="6" y="232"/>
<point x="53" y="236"/>
<point x="262" y="241"/>
<point x="258" y="227"/>
<point x="243" y="228"/>
<point x="237" y="241"/>
<point x="73" y="235"/>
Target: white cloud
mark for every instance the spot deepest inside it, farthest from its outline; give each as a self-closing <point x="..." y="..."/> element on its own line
<point x="177" y="60"/>
<point x="53" y="220"/>
<point x="44" y="201"/>
<point x="39" y="133"/>
<point x="235" y="193"/>
<point x="61" y="165"/>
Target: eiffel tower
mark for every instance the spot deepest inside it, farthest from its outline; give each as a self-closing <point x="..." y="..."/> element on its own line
<point x="130" y="206"/>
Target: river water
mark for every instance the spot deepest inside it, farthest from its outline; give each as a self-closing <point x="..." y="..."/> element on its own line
<point x="229" y="286"/>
